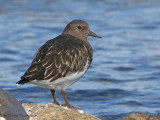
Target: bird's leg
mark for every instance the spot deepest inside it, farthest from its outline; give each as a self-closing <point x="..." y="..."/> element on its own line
<point x="66" y="101"/>
<point x="54" y="97"/>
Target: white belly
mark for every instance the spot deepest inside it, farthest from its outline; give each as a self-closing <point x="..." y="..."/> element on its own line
<point x="61" y="83"/>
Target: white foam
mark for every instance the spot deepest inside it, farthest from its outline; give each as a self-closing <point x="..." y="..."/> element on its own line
<point x="81" y="111"/>
<point x="2" y="118"/>
<point x="65" y="107"/>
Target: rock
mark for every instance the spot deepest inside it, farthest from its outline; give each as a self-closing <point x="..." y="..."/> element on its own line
<point x="41" y="111"/>
<point x="142" y="116"/>
<point x="10" y="108"/>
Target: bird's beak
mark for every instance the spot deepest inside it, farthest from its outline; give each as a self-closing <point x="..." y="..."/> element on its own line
<point x="93" y="34"/>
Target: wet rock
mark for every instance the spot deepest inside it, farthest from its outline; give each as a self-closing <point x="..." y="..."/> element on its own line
<point x="41" y="111"/>
<point x="10" y="108"/>
<point x="142" y="116"/>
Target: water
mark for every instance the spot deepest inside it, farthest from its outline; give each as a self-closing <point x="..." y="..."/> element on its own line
<point x="125" y="73"/>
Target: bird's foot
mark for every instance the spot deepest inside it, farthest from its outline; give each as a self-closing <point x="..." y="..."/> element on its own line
<point x="70" y="106"/>
<point x="56" y="103"/>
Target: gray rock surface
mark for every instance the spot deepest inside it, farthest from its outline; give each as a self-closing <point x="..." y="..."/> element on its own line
<point x="41" y="111"/>
<point x="10" y="108"/>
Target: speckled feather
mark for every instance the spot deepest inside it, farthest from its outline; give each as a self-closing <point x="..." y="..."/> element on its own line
<point x="59" y="56"/>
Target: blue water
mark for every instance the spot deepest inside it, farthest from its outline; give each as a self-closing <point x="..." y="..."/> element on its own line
<point x="125" y="73"/>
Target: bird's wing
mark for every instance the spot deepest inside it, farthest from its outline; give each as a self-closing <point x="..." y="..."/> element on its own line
<point x="57" y="58"/>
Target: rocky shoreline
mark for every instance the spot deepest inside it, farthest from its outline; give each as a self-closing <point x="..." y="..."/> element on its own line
<point x="11" y="109"/>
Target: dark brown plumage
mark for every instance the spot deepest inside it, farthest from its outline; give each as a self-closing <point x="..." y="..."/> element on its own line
<point x="58" y="57"/>
<point x="63" y="60"/>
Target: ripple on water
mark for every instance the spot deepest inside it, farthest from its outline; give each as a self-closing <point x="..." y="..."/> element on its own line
<point x="124" y="69"/>
<point x="8" y="51"/>
<point x="7" y="59"/>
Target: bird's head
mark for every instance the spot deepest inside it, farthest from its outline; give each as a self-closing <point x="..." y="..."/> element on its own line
<point x="79" y="29"/>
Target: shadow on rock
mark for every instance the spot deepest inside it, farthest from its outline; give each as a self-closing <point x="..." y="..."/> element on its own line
<point x="10" y="108"/>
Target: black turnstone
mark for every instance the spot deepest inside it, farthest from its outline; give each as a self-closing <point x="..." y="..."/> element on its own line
<point x="62" y="61"/>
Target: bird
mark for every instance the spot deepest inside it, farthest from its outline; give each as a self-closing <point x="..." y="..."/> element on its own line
<point x="62" y="61"/>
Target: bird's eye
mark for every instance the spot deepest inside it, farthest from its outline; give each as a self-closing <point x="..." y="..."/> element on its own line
<point x="79" y="27"/>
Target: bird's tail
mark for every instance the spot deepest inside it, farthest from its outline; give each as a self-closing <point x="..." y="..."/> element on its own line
<point x="23" y="81"/>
